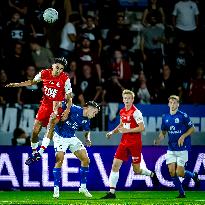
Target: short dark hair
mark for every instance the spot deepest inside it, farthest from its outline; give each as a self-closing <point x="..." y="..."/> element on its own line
<point x="93" y="104"/>
<point x="62" y="61"/>
<point x="18" y="132"/>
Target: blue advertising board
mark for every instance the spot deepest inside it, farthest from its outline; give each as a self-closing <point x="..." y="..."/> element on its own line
<point x="14" y="174"/>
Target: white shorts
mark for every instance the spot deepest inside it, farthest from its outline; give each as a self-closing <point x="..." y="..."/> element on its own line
<point x="62" y="144"/>
<point x="178" y="157"/>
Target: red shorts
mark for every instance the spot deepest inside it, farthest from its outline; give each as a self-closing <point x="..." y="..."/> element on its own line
<point x="44" y="113"/>
<point x="125" y="150"/>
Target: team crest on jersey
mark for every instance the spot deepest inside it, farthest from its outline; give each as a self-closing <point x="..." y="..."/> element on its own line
<point x="58" y="84"/>
<point x="172" y="128"/>
<point x="177" y="120"/>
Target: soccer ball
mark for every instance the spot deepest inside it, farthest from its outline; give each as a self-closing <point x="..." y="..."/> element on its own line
<point x="50" y="15"/>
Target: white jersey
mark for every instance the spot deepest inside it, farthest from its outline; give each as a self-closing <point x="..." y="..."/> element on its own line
<point x="185" y="12"/>
<point x="66" y="43"/>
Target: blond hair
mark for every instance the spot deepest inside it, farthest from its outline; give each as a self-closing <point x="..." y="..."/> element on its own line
<point x="175" y="97"/>
<point x="126" y="91"/>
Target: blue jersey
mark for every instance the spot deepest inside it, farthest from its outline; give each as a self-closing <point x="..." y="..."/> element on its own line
<point x="74" y="121"/>
<point x="176" y="125"/>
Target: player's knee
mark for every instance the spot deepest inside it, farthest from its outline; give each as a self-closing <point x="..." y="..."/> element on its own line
<point x="85" y="161"/>
<point x="115" y="168"/>
<point x="172" y="173"/>
<point x="137" y="170"/>
<point x="180" y="173"/>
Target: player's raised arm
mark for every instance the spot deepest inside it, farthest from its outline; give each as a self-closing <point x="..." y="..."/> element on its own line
<point x="26" y="83"/>
<point x="68" y="97"/>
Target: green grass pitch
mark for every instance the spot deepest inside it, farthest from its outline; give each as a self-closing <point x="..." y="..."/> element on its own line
<point x="123" y="198"/>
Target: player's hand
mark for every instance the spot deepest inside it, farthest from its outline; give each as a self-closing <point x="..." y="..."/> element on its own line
<point x="181" y="141"/>
<point x="123" y="130"/>
<point x="65" y="114"/>
<point x="12" y="85"/>
<point x="88" y="143"/>
<point x="109" y="134"/>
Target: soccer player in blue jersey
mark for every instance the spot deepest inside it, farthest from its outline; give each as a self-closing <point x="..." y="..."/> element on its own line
<point x="64" y="138"/>
<point x="179" y="128"/>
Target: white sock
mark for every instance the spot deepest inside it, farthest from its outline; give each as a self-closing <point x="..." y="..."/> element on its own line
<point x="146" y="172"/>
<point x="34" y="147"/>
<point x="44" y="145"/>
<point x="83" y="186"/>
<point x="113" y="179"/>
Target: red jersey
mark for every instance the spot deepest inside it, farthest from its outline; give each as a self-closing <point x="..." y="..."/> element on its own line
<point x="130" y="119"/>
<point x="54" y="87"/>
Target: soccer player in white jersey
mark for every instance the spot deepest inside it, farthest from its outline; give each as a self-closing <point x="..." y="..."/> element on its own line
<point x="64" y="138"/>
<point x="179" y="127"/>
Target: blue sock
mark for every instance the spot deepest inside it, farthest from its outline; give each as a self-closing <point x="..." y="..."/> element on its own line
<point x="57" y="176"/>
<point x="178" y="184"/>
<point x="83" y="175"/>
<point x="188" y="174"/>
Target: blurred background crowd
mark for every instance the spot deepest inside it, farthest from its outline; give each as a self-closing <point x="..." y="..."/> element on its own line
<point x="154" y="47"/>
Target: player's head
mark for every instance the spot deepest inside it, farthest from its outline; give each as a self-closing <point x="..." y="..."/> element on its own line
<point x="59" y="65"/>
<point x="92" y="109"/>
<point x="173" y="103"/>
<point x="128" y="97"/>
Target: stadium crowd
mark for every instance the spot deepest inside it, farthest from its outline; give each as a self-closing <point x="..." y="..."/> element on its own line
<point x="155" y="51"/>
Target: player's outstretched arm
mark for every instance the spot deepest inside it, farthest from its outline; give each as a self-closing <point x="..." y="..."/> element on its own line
<point x="115" y="131"/>
<point x="160" y="137"/>
<point x="21" y="84"/>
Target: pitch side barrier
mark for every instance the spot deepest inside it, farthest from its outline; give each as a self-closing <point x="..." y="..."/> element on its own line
<point x="14" y="174"/>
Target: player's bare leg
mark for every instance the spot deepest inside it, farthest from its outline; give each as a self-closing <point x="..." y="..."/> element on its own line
<point x="57" y="173"/>
<point x="113" y="178"/>
<point x="54" y="119"/>
<point x="82" y="155"/>
<point x="34" y="143"/>
<point x="175" y="179"/>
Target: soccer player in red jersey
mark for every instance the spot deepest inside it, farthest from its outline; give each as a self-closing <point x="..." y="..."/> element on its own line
<point x="56" y="88"/>
<point x="131" y="126"/>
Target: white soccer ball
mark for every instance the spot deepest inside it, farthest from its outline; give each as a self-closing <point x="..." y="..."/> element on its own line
<point x="50" y="15"/>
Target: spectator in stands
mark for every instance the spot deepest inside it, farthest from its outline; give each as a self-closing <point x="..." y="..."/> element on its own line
<point x="16" y="61"/>
<point x="37" y="25"/>
<point x="143" y="93"/>
<point x="119" y="78"/>
<point x="90" y="28"/>
<point x="73" y="79"/>
<point x="88" y="86"/>
<point x="14" y="31"/>
<point x="86" y="55"/>
<point x="20" y="6"/>
<point x="41" y="56"/>
<point x="197" y="87"/>
<point x="30" y="94"/>
<point x="69" y="37"/>
<point x="7" y="96"/>
<point x="119" y="36"/>
<point x="151" y="47"/>
<point x="155" y="9"/>
<point x="20" y="138"/>
<point x="166" y="86"/>
<point x="186" y="21"/>
<point x="183" y="62"/>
